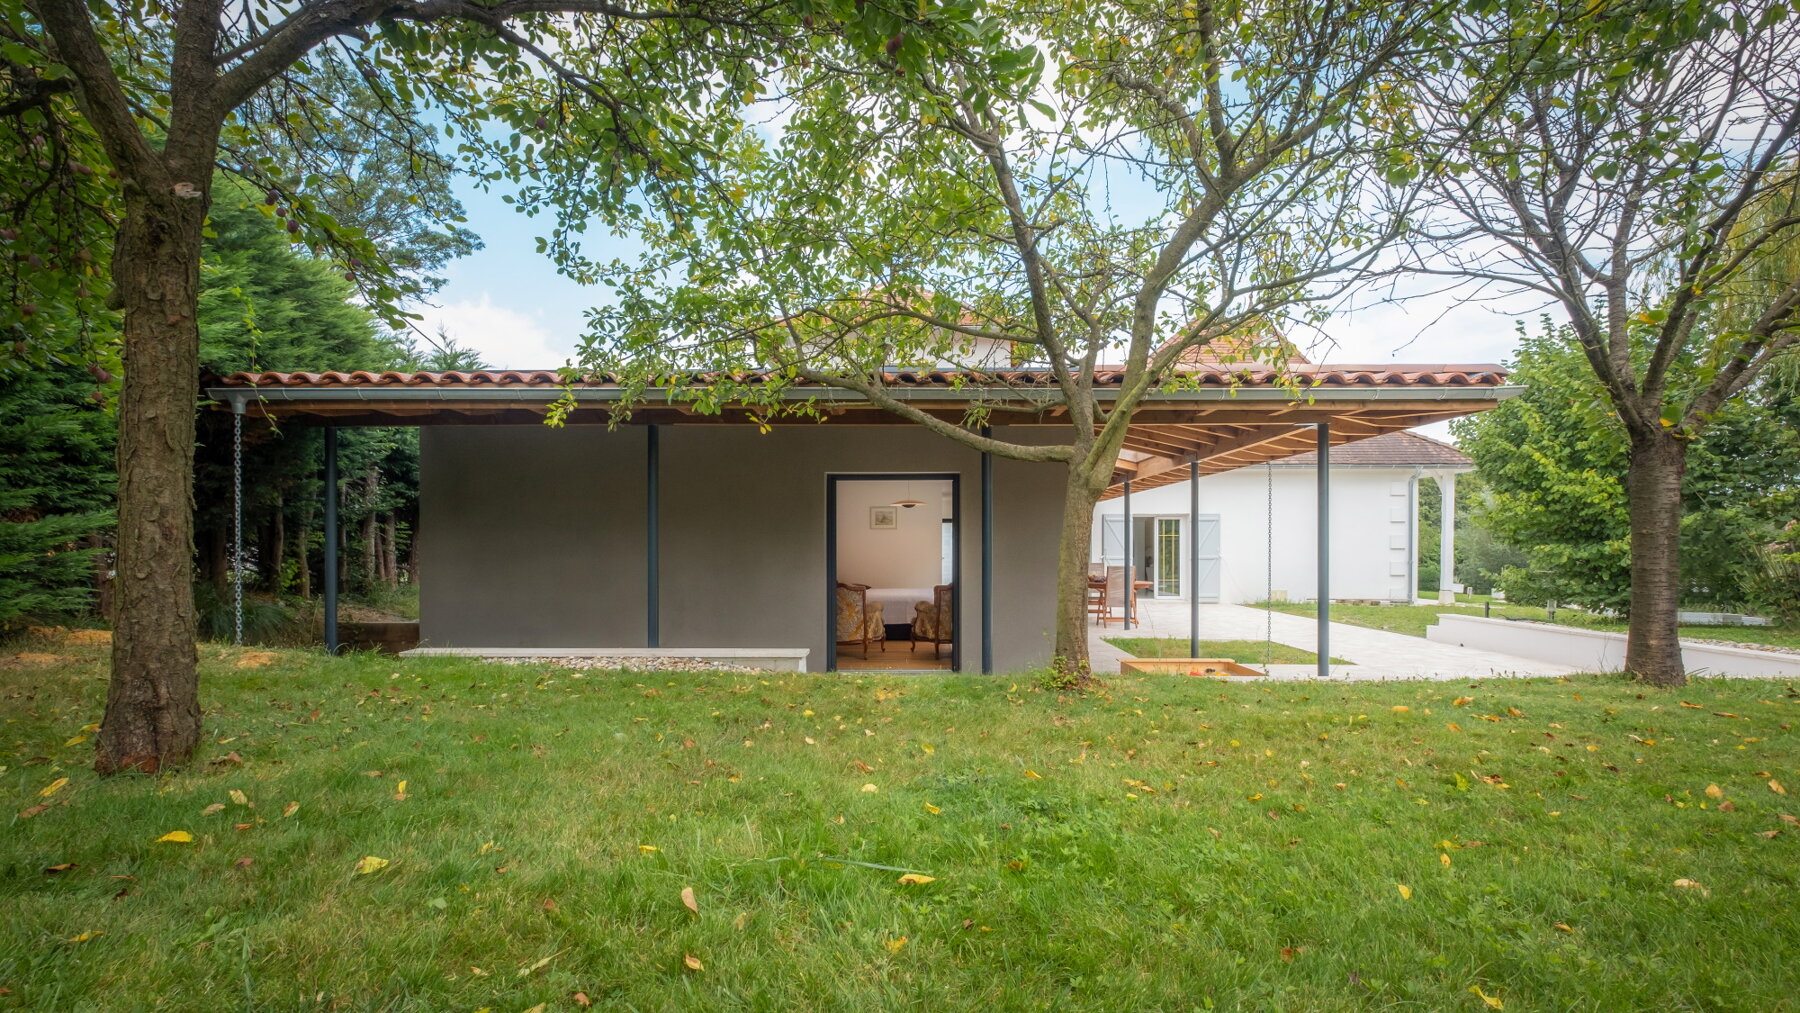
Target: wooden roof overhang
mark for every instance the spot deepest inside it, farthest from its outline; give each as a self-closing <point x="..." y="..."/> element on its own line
<point x="1221" y="427"/>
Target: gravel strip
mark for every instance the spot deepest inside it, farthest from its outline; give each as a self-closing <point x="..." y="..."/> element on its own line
<point x="663" y="664"/>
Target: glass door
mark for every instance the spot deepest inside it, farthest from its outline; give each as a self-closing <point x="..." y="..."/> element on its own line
<point x="1168" y="557"/>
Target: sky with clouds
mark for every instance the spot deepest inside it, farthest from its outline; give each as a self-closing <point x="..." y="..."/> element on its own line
<point x="508" y="303"/>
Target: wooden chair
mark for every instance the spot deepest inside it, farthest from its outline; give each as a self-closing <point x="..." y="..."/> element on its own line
<point x="1119" y="593"/>
<point x="932" y="620"/>
<point x="857" y="620"/>
<point x="1096" y="598"/>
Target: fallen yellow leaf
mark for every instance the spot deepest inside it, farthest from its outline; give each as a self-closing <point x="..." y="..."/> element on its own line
<point x="85" y="936"/>
<point x="927" y="747"/>
<point x="213" y="810"/>
<point x="176" y="837"/>
<point x="1714" y="791"/>
<point x="1444" y="857"/>
<point x="1493" y="1001"/>
<point x="913" y="878"/>
<point x="895" y="945"/>
<point x="1461" y="701"/>
<point x="53" y="787"/>
<point x="1405" y="891"/>
<point x="1563" y="927"/>
<point x="692" y="962"/>
<point x="369" y="863"/>
<point x="1775" y="786"/>
<point x="75" y="740"/>
<point x="239" y="797"/>
<point x="1402" y="709"/>
<point x="688" y="901"/>
<point x="870" y="787"/>
<point x="645" y="848"/>
<point x="933" y="810"/>
<point x="1689" y="884"/>
<point x="290" y="809"/>
<point x="1034" y="775"/>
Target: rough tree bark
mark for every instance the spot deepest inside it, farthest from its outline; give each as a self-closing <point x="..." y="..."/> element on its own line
<point x="1080" y="493"/>
<point x="1653" y="492"/>
<point x="152" y="715"/>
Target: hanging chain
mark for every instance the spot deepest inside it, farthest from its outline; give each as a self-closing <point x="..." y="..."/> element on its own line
<point x="1269" y="567"/>
<point x="237" y="526"/>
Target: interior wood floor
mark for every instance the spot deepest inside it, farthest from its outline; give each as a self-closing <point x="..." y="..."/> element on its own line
<point x="897" y="658"/>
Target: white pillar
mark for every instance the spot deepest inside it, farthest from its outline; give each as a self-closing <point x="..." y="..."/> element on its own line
<point x="1447" y="538"/>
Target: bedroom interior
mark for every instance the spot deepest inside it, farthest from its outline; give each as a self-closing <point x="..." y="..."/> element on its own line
<point x="894" y="539"/>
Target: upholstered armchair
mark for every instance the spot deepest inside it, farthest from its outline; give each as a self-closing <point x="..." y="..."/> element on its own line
<point x="931" y="620"/>
<point x="859" y="620"/>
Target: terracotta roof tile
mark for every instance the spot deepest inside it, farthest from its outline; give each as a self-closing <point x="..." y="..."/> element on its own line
<point x="1406" y="375"/>
<point x="1399" y="449"/>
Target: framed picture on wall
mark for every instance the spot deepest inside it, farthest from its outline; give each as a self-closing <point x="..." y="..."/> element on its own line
<point x="884" y="518"/>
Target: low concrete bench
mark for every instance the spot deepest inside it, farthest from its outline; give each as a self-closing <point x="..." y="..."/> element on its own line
<point x="770" y="659"/>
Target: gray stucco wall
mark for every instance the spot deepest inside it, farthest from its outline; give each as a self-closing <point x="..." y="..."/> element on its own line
<point x="531" y="536"/>
<point x="743" y="538"/>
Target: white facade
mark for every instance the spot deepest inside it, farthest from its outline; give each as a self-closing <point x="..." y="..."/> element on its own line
<point x="1264" y="524"/>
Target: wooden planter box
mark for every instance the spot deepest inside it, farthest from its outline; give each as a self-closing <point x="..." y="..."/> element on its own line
<point x="388" y="638"/>
<point x="1184" y="666"/>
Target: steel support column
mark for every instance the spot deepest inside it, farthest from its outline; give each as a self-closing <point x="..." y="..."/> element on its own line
<point x="987" y="558"/>
<point x="653" y="539"/>
<point x="1324" y="553"/>
<point x="1130" y="598"/>
<point x="1193" y="581"/>
<point x="331" y="540"/>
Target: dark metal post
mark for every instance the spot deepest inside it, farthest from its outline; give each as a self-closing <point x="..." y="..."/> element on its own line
<point x="331" y="540"/>
<point x="1324" y="549"/>
<point x="1130" y="598"/>
<point x="1194" y="558"/>
<point x="653" y="542"/>
<point x="987" y="558"/>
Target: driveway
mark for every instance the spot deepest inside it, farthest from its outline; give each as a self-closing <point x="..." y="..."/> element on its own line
<point x="1373" y="654"/>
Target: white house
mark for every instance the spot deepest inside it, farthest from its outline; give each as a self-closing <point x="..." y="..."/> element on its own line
<point x="1374" y="507"/>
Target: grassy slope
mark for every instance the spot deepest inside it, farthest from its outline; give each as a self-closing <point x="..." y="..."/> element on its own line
<point x="1412" y="620"/>
<point x="1186" y="844"/>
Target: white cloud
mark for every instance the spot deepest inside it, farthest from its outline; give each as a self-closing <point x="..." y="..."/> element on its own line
<point x="506" y="338"/>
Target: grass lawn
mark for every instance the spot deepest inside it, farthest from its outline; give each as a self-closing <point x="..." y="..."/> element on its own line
<point x="1173" y="843"/>
<point x="1249" y="652"/>
<point x="1412" y="620"/>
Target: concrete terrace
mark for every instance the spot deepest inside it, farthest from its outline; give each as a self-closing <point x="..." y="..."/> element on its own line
<point x="1375" y="655"/>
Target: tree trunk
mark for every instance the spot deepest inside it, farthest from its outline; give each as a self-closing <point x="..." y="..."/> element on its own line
<point x="1653" y="491"/>
<point x="215" y="564"/>
<point x="390" y="558"/>
<point x="277" y="556"/>
<point x="303" y="566"/>
<point x="103" y="581"/>
<point x="152" y="715"/>
<point x="371" y="530"/>
<point x="1079" y="496"/>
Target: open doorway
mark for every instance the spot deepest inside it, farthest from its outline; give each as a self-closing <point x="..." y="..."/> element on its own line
<point x="893" y="573"/>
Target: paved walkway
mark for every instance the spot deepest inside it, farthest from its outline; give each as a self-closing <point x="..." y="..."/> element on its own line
<point x="1373" y="654"/>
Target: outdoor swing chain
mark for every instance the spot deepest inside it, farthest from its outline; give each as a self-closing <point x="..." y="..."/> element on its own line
<point x="237" y="525"/>
<point x="1269" y="567"/>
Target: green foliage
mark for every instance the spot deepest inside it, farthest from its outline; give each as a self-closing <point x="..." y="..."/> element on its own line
<point x="55" y="492"/>
<point x="1554" y="460"/>
<point x="58" y="212"/>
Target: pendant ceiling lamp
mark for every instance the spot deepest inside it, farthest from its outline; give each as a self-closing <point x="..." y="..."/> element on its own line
<point x="908" y="503"/>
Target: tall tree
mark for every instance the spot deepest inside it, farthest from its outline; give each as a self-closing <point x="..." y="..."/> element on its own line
<point x="56" y="439"/>
<point x="596" y="95"/>
<point x="1182" y="174"/>
<point x="1637" y="179"/>
<point x="1554" y="460"/>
